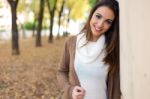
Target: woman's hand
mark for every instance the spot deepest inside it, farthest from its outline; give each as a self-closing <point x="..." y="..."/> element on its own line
<point x="78" y="92"/>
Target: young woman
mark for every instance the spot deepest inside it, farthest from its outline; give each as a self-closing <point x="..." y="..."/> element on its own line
<point x="89" y="66"/>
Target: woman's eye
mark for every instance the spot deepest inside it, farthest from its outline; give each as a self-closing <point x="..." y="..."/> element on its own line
<point x="108" y="22"/>
<point x="98" y="16"/>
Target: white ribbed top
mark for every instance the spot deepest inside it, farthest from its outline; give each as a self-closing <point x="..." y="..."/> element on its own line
<point x="90" y="69"/>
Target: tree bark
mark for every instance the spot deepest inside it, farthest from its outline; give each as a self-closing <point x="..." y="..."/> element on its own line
<point x="15" y="36"/>
<point x="52" y="13"/>
<point x="59" y="18"/>
<point x="40" y="20"/>
<point x="50" y="40"/>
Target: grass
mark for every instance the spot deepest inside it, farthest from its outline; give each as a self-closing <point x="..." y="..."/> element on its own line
<point x="32" y="74"/>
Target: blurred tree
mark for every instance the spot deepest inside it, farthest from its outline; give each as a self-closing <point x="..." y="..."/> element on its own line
<point x="15" y="37"/>
<point x="51" y="8"/>
<point x="35" y="10"/>
<point x="59" y="17"/>
<point x="70" y="5"/>
<point x="29" y="6"/>
<point x="40" y="20"/>
<point x="76" y="10"/>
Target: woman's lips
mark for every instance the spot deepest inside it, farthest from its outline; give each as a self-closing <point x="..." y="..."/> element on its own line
<point x="97" y="28"/>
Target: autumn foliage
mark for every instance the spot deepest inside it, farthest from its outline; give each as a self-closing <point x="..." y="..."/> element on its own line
<point x="32" y="74"/>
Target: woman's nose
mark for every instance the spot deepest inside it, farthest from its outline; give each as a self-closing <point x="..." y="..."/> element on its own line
<point x="100" y="23"/>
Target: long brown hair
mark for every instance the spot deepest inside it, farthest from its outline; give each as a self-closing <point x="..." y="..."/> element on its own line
<point x="112" y="35"/>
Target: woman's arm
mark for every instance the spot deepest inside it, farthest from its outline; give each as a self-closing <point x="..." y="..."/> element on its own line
<point x="63" y="72"/>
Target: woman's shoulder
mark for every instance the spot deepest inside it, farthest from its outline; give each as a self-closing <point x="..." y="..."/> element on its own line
<point x="71" y="39"/>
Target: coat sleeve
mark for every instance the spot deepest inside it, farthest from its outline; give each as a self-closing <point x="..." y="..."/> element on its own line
<point x="63" y="72"/>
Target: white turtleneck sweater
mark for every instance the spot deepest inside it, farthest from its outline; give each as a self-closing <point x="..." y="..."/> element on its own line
<point x="90" y="69"/>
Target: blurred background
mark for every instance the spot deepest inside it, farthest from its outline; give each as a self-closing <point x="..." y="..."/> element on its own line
<point x="32" y="35"/>
<point x="55" y="17"/>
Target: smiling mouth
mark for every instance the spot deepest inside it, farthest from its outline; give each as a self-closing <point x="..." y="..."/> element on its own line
<point x="97" y="28"/>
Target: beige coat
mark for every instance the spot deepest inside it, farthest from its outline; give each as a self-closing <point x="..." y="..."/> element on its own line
<point x="67" y="77"/>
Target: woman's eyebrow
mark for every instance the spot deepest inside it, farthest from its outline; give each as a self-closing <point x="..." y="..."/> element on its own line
<point x="103" y="16"/>
<point x="98" y="13"/>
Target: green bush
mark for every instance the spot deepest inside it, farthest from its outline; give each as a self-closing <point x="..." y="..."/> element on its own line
<point x="30" y="25"/>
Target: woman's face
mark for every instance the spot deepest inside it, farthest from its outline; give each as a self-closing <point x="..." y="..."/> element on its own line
<point x="101" y="21"/>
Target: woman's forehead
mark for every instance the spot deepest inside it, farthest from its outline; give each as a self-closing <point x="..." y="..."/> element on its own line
<point x="105" y="11"/>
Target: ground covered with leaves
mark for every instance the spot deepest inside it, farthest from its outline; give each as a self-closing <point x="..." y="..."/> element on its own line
<point x="32" y="74"/>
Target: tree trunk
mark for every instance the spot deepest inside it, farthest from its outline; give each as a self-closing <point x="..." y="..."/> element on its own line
<point x="40" y="20"/>
<point x="52" y="13"/>
<point x="59" y="18"/>
<point x="15" y="36"/>
<point x="50" y="40"/>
